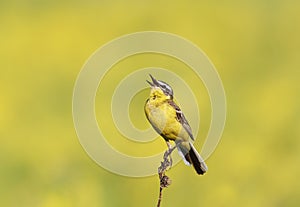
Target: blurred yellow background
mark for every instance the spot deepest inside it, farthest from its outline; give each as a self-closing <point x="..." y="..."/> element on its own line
<point x="253" y="44"/>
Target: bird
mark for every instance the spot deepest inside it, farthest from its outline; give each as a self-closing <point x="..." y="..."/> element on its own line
<point x="169" y="122"/>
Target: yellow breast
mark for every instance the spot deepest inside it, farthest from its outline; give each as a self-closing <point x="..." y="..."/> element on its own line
<point x="163" y="118"/>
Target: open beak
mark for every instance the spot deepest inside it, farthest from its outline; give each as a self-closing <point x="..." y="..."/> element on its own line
<point x="154" y="81"/>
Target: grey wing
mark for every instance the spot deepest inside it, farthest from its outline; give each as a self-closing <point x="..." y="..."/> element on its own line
<point x="181" y="118"/>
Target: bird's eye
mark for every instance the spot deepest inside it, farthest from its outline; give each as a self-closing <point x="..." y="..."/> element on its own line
<point x="154" y="97"/>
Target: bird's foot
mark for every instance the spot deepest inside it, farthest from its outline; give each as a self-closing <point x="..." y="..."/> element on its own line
<point x="167" y="156"/>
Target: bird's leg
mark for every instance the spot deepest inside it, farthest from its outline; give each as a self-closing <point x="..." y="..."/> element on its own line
<point x="168" y="154"/>
<point x="167" y="162"/>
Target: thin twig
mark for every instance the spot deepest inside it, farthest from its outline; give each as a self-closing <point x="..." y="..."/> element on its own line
<point x="159" y="197"/>
<point x="165" y="181"/>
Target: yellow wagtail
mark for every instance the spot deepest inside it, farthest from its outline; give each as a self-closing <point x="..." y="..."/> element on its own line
<point x="168" y="120"/>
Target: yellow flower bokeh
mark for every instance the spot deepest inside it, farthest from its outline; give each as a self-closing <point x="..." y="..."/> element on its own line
<point x="255" y="48"/>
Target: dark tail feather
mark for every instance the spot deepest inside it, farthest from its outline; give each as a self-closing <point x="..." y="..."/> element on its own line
<point x="196" y="160"/>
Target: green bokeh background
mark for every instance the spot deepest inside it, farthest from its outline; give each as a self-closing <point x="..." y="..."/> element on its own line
<point x="253" y="44"/>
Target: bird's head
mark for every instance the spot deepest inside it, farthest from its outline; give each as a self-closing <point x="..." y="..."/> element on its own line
<point x="158" y="87"/>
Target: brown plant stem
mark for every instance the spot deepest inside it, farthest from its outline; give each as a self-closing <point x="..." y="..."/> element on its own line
<point x="165" y="181"/>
